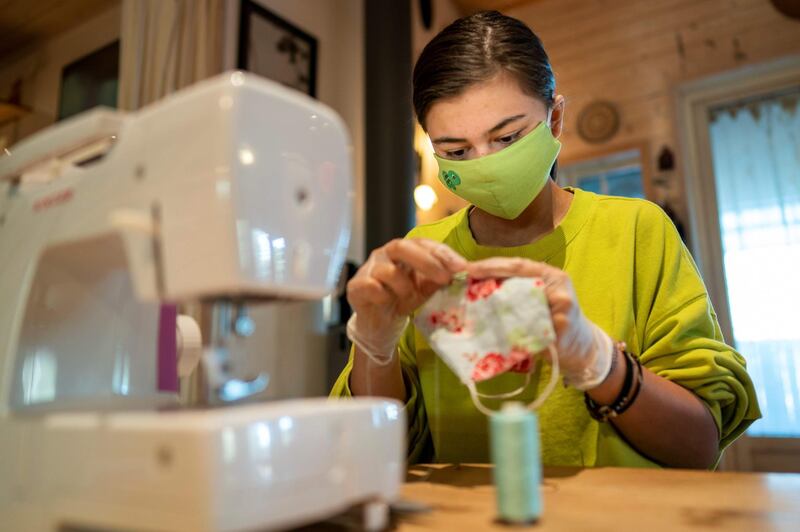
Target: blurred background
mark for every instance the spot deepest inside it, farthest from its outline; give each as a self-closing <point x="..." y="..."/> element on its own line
<point x="692" y="104"/>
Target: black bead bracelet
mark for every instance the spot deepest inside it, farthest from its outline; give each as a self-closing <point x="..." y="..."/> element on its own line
<point x="631" y="387"/>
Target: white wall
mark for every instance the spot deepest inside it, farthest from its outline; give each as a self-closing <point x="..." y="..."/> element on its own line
<point x="40" y="70"/>
<point x="444" y="12"/>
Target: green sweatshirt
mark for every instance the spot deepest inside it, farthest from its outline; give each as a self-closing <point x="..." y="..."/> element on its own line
<point x="636" y="280"/>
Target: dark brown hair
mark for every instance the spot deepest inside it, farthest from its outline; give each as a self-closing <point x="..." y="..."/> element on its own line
<point x="474" y="49"/>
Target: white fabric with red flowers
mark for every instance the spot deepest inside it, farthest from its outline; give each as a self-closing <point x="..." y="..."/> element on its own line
<point x="482" y="328"/>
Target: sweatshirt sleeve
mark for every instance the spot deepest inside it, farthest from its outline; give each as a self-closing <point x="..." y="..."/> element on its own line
<point x="418" y="433"/>
<point x="681" y="338"/>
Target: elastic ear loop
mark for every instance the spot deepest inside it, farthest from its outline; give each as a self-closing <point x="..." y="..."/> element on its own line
<point x="531" y="406"/>
<point x="507" y="394"/>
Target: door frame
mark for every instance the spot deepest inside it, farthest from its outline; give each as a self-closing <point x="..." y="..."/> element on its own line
<point x="694" y="99"/>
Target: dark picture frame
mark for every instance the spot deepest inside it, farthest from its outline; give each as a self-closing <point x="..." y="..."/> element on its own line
<point x="274" y="48"/>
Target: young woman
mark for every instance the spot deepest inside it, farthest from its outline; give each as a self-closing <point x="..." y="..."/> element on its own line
<point x="615" y="271"/>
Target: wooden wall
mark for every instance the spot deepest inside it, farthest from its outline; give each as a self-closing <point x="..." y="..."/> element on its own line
<point x="635" y="53"/>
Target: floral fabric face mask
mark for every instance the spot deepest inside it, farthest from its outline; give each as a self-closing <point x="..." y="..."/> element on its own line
<point x="483" y="328"/>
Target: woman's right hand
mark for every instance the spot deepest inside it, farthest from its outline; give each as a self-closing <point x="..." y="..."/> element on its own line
<point x="396" y="279"/>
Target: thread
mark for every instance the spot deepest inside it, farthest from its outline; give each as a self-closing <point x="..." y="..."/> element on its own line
<point x="517" y="463"/>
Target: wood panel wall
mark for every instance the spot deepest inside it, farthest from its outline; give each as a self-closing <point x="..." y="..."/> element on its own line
<point x="635" y="53"/>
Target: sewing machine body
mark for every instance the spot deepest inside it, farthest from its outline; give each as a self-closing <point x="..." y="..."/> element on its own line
<point x="251" y="467"/>
<point x="234" y="189"/>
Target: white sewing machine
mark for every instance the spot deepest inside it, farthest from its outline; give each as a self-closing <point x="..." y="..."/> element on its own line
<point x="236" y="189"/>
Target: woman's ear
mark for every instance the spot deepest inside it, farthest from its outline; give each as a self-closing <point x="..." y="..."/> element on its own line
<point x="557" y="116"/>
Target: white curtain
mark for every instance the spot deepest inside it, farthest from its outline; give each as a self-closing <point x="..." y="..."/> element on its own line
<point x="167" y="45"/>
<point x="756" y="157"/>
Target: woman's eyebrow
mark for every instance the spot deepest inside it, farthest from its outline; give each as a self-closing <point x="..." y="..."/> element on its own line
<point x="503" y="123"/>
<point x="500" y="125"/>
<point x="447" y="140"/>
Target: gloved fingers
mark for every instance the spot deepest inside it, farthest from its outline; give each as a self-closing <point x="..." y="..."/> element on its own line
<point x="454" y="262"/>
<point x="561" y="302"/>
<point x="561" y="324"/>
<point x="402" y="275"/>
<point x="425" y="287"/>
<point x="510" y="267"/>
<point x="396" y="279"/>
<point x="418" y="258"/>
<point x="558" y="286"/>
<point x="363" y="291"/>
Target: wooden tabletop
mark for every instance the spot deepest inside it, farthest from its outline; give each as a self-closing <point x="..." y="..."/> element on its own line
<point x="462" y="498"/>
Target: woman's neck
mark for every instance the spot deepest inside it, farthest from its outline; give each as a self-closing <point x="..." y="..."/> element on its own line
<point x="540" y="218"/>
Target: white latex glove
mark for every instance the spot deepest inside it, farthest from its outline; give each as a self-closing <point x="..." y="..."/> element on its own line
<point x="585" y="352"/>
<point x="396" y="279"/>
<point x="378" y="343"/>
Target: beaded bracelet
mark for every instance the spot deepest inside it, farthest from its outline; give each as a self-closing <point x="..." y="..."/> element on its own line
<point x="631" y="387"/>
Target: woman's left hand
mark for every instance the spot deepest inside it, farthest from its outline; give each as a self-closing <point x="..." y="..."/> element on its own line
<point x="584" y="350"/>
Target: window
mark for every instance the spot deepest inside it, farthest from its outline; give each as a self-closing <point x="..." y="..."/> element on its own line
<point x="755" y="147"/>
<point x="90" y="81"/>
<point x="618" y="174"/>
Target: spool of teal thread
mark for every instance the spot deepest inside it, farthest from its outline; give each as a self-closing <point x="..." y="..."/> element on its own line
<point x="517" y="463"/>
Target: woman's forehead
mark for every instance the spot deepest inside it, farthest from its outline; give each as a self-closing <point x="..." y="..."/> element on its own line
<point x="480" y="107"/>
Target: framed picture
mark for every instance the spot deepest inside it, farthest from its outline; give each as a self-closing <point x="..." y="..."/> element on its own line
<point x="90" y="81"/>
<point x="276" y="49"/>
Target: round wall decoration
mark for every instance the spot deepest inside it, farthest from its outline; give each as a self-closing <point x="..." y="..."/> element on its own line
<point x="598" y="122"/>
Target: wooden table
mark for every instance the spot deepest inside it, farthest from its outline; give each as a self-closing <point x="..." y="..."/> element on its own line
<point x="462" y="498"/>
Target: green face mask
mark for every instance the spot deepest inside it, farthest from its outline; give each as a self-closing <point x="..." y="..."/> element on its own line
<point x="506" y="182"/>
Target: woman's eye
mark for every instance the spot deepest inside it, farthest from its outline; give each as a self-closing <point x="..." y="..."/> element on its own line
<point x="508" y="139"/>
<point x="455" y="154"/>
